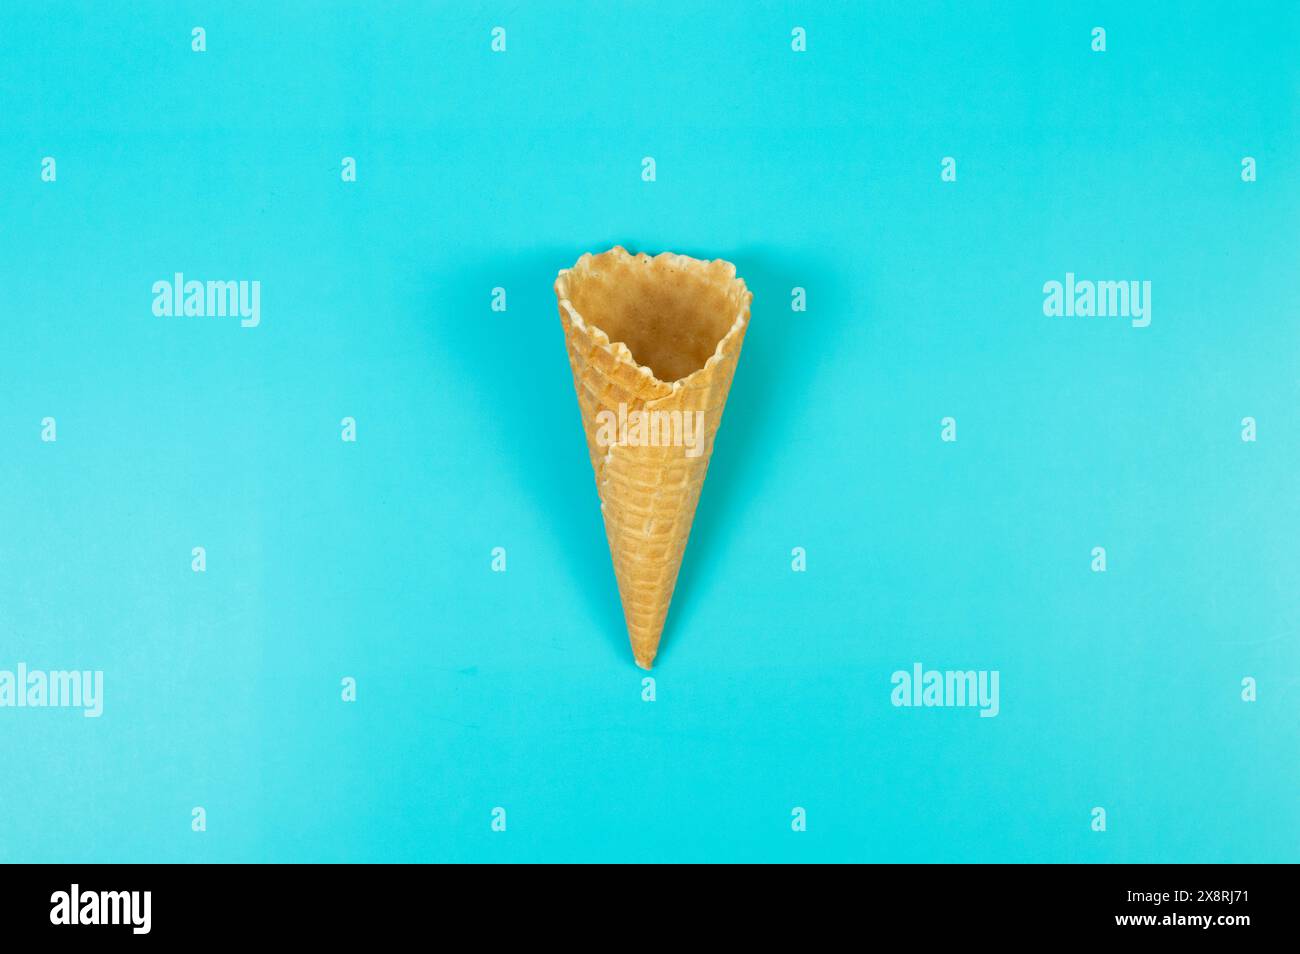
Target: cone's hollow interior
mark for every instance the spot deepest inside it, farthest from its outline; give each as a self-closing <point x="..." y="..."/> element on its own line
<point x="670" y="313"/>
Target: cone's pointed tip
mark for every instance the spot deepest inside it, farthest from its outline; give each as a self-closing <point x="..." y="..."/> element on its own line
<point x="645" y="649"/>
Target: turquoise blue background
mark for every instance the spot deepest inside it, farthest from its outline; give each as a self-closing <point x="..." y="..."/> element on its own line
<point x="821" y="170"/>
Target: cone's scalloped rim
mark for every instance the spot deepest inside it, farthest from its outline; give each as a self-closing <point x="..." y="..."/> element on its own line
<point x="621" y="350"/>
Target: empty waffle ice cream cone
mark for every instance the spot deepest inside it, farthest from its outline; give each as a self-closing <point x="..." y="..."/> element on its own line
<point x="653" y="344"/>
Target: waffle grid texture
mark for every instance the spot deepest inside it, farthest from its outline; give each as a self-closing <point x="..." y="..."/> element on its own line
<point x="649" y="493"/>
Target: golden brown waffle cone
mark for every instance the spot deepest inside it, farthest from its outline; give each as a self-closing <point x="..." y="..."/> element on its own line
<point x="684" y="321"/>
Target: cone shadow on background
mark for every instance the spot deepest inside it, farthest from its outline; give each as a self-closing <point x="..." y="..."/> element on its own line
<point x="648" y="335"/>
<point x="768" y="410"/>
